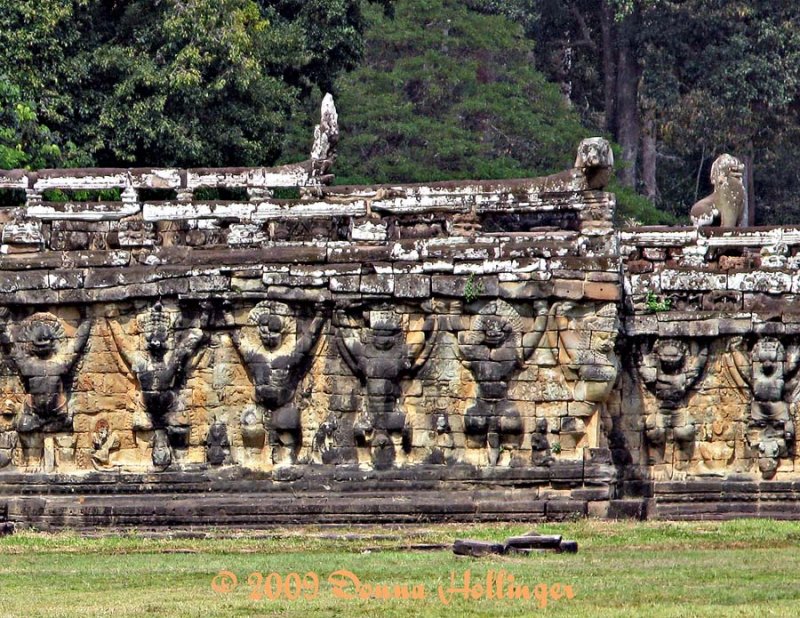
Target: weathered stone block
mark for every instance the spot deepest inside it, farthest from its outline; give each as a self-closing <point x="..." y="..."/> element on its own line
<point x="476" y="549"/>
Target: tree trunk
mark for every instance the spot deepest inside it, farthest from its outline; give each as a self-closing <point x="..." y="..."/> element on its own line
<point x="749" y="217"/>
<point x="649" y="152"/>
<point x="628" y="130"/>
<point x="609" y="66"/>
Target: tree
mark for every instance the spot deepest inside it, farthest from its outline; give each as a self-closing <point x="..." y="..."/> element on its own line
<point x="24" y="142"/>
<point x="175" y="82"/>
<point x="675" y="82"/>
<point x="32" y="39"/>
<point x="446" y="93"/>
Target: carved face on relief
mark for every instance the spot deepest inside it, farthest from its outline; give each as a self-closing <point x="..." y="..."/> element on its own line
<point x="496" y="331"/>
<point x="273" y="322"/>
<point x="102" y="429"/>
<point x="157" y="340"/>
<point x="43" y="339"/>
<point x="270" y="330"/>
<point x="156" y="326"/>
<point x="603" y="342"/>
<point x="386" y="329"/>
<point x="768" y="356"/>
<point x="496" y="325"/>
<point x="671" y="355"/>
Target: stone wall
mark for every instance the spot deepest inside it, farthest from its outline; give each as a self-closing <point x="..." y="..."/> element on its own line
<point x="460" y="350"/>
<point x="709" y="391"/>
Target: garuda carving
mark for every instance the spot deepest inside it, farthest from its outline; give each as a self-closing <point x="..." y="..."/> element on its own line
<point x="277" y="362"/>
<point x="584" y="340"/>
<point x="44" y="358"/>
<point x="218" y="446"/>
<point x="160" y="370"/>
<point x="380" y="356"/>
<point x="495" y="347"/>
<point x="769" y="371"/>
<point x="670" y="368"/>
<point x="8" y="442"/>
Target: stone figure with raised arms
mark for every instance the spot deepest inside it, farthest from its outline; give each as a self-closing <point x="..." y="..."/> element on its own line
<point x="495" y="348"/>
<point x="277" y="361"/>
<point x="669" y="368"/>
<point x="43" y="357"/>
<point x="160" y="370"/>
<point x="769" y="371"/>
<point x="381" y="357"/>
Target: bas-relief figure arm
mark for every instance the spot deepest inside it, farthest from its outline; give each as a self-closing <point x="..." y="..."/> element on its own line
<point x="235" y="333"/>
<point x="792" y="389"/>
<point x="647" y="364"/>
<point x="346" y="353"/>
<point x="127" y="353"/>
<point x="188" y="345"/>
<point x="646" y="360"/>
<point x="14" y="352"/>
<point x="248" y="352"/>
<point x="559" y="340"/>
<point x="78" y="343"/>
<point x="531" y="340"/>
<point x="310" y="337"/>
<point x="5" y="337"/>
<point x="740" y="365"/>
<point x="348" y="350"/>
<point x="432" y="327"/>
<point x="696" y="364"/>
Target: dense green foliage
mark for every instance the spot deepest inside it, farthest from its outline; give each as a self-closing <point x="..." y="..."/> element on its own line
<point x="677" y="83"/>
<point x="447" y="93"/>
<point x="24" y="142"/>
<point x="187" y="82"/>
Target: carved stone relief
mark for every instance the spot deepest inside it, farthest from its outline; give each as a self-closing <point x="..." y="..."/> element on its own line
<point x="494" y="348"/>
<point x="277" y="358"/>
<point x="583" y="339"/>
<point x="669" y="368"/>
<point x="104" y="442"/>
<point x="160" y="369"/>
<point x="217" y="444"/>
<point x="769" y="371"/>
<point x="376" y="348"/>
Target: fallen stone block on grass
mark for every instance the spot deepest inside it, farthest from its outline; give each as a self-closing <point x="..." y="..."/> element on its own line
<point x="476" y="549"/>
<point x="534" y="542"/>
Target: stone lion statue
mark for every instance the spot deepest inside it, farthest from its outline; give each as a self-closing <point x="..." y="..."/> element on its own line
<point x="596" y="160"/>
<point x="725" y="206"/>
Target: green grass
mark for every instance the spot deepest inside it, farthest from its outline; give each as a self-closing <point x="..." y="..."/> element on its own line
<point x="654" y="569"/>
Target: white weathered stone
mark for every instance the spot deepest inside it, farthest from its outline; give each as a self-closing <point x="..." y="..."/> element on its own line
<point x="246" y="234"/>
<point x="83" y="212"/>
<point x="692" y="280"/>
<point x="760" y="281"/>
<point x="368" y="231"/>
<point x="23" y="233"/>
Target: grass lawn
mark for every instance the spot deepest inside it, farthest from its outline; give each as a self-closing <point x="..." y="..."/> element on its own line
<point x="738" y="568"/>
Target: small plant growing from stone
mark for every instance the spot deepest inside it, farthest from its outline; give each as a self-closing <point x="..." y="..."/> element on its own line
<point x="556" y="448"/>
<point x="472" y="288"/>
<point x="656" y="304"/>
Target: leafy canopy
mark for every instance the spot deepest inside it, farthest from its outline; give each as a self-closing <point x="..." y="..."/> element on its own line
<point x="169" y="82"/>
